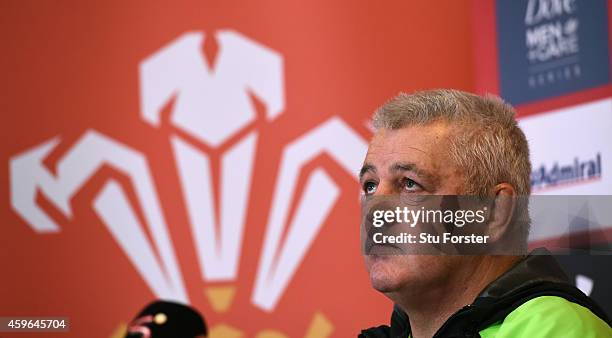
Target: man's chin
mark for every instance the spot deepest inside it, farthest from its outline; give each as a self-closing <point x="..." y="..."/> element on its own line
<point x="387" y="273"/>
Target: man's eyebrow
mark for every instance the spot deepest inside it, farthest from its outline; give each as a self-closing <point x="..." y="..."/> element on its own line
<point x="366" y="167"/>
<point x="405" y="166"/>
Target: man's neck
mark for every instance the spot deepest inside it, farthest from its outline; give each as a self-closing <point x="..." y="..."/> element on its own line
<point x="429" y="309"/>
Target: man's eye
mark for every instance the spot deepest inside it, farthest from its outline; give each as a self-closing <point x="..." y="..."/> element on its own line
<point x="369" y="187"/>
<point x="411" y="185"/>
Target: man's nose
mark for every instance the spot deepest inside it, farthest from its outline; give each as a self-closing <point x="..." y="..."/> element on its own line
<point x="385" y="188"/>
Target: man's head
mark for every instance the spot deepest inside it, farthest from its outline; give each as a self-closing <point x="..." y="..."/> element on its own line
<point x="443" y="142"/>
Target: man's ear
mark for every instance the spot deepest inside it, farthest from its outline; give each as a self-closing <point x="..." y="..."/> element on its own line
<point x="502" y="208"/>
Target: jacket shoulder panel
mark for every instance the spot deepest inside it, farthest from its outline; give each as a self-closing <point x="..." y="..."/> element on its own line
<point x="549" y="316"/>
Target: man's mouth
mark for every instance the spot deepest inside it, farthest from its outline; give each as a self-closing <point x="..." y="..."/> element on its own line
<point x="387" y="249"/>
<point x="380" y="249"/>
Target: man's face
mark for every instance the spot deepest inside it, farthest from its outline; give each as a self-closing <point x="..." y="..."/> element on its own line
<point x="407" y="161"/>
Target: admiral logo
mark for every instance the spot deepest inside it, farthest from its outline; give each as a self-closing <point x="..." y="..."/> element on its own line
<point x="570" y="173"/>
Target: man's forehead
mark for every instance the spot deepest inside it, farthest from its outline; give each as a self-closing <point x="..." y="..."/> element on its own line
<point x="424" y="146"/>
<point x="408" y="140"/>
<point x="394" y="150"/>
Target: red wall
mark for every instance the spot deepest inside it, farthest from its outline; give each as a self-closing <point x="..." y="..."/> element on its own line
<point x="71" y="66"/>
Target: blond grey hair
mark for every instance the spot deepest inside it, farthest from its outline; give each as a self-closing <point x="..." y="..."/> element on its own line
<point x="487" y="145"/>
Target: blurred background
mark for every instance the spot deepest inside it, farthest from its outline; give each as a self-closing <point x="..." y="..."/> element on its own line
<point x="207" y="151"/>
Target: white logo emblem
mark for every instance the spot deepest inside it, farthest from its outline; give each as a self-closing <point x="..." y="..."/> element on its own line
<point x="212" y="109"/>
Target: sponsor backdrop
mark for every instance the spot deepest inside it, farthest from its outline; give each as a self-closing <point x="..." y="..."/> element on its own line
<point x="551" y="60"/>
<point x="207" y="152"/>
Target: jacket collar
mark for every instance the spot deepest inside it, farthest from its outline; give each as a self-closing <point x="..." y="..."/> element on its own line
<point x="537" y="267"/>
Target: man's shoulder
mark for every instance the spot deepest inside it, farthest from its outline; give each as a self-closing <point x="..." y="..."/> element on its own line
<point x="549" y="316"/>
